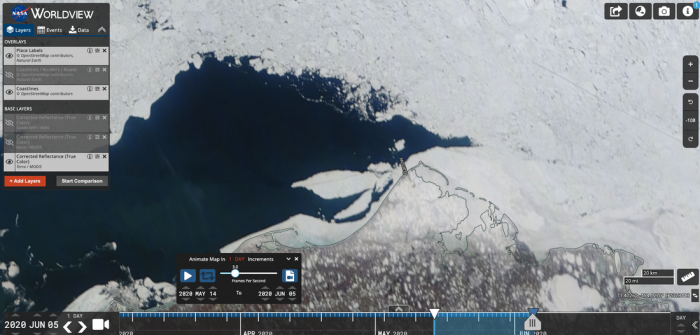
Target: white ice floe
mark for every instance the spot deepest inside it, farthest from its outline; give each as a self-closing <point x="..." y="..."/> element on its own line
<point x="400" y="145"/>
<point x="303" y="231"/>
<point x="563" y="293"/>
<point x="9" y="287"/>
<point x="338" y="184"/>
<point x="359" y="205"/>
<point x="12" y="269"/>
<point x="109" y="246"/>
<point x="94" y="299"/>
<point x="137" y="294"/>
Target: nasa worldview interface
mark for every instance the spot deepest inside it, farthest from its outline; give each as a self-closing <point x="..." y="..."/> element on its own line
<point x="350" y="167"/>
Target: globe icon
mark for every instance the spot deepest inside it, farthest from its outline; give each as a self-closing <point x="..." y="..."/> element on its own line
<point x="640" y="10"/>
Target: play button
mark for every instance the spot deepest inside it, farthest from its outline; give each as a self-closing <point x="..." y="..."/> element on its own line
<point x="187" y="276"/>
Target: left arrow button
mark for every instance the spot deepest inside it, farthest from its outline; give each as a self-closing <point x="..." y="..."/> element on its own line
<point x="66" y="327"/>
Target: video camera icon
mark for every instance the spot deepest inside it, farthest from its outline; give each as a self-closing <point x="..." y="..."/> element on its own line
<point x="100" y="324"/>
<point x="290" y="276"/>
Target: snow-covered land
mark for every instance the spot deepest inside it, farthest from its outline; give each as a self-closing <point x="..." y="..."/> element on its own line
<point x="303" y="231"/>
<point x="140" y="294"/>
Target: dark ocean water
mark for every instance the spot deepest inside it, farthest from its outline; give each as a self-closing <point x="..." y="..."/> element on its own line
<point x="213" y="163"/>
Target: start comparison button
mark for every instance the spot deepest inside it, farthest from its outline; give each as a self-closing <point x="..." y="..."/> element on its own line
<point x="82" y="181"/>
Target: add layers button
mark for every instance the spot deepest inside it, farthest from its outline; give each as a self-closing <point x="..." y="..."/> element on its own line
<point x="25" y="181"/>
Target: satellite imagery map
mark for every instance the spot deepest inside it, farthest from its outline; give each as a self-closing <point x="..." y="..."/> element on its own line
<point x="258" y="167"/>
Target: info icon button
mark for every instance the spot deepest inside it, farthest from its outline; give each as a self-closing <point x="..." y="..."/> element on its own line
<point x="686" y="11"/>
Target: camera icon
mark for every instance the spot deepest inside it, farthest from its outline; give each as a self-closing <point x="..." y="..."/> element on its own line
<point x="664" y="11"/>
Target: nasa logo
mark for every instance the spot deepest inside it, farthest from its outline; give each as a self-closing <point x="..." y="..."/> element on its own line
<point x="20" y="13"/>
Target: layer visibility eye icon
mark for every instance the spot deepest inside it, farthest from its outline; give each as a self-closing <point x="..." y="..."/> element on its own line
<point x="289" y="276"/>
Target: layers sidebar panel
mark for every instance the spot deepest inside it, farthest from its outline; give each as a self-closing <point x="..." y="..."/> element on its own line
<point x="56" y="96"/>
